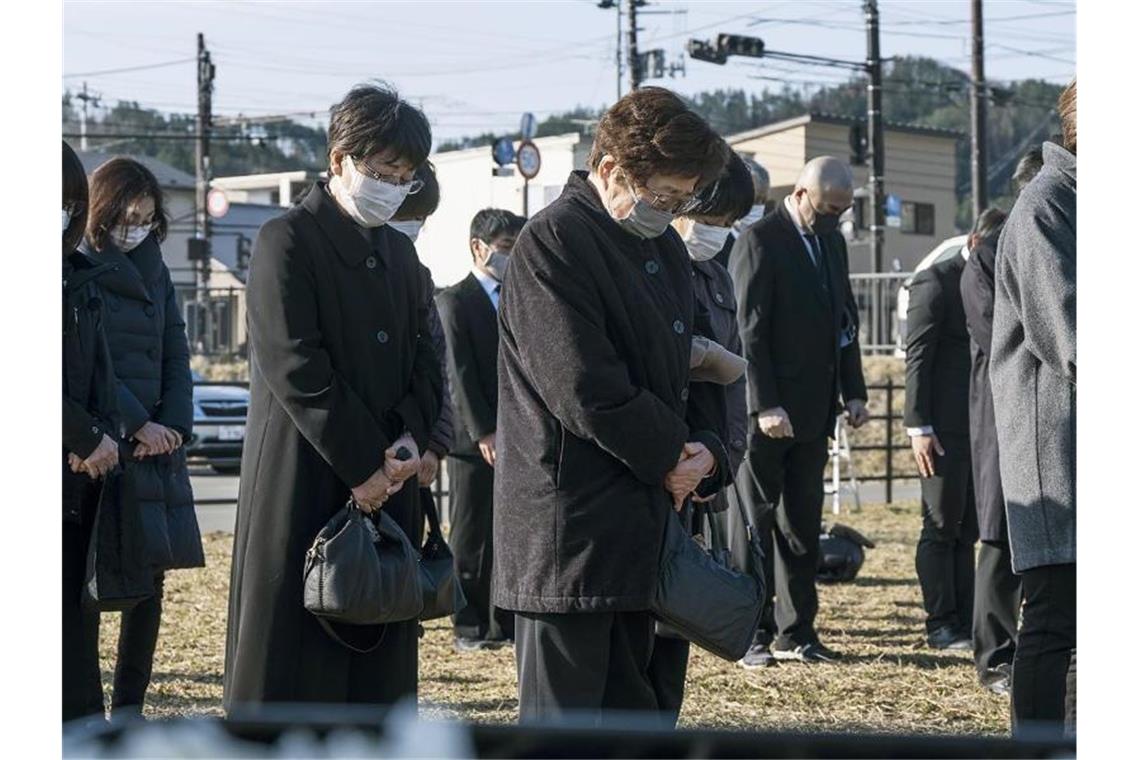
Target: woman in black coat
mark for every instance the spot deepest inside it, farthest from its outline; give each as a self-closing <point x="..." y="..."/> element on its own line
<point x="343" y="374"/>
<point x="147" y="338"/>
<point x="594" y="453"/>
<point x="89" y="448"/>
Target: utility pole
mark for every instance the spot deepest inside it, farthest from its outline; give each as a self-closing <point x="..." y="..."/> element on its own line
<point x="978" y="114"/>
<point x="631" y="52"/>
<point x="85" y="97"/>
<point x="202" y="181"/>
<point x="617" y="52"/>
<point x="875" y="143"/>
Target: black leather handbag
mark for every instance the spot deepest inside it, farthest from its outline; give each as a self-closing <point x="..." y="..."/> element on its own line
<point x="362" y="571"/>
<point x="118" y="575"/>
<point x="700" y="595"/>
<point x="442" y="593"/>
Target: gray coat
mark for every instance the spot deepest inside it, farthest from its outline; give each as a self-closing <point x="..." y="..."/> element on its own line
<point x="1033" y="365"/>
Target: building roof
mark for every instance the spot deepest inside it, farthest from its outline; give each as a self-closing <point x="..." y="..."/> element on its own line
<point x="833" y="118"/>
<point x="168" y="177"/>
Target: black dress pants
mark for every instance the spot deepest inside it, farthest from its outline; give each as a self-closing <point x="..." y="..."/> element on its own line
<point x="473" y="484"/>
<point x="668" y="667"/>
<point x="82" y="678"/>
<point x="138" y="637"/>
<point x="944" y="558"/>
<point x="786" y="507"/>
<point x="593" y="664"/>
<point x="997" y="599"/>
<point x="1044" y="667"/>
<point x="737" y="540"/>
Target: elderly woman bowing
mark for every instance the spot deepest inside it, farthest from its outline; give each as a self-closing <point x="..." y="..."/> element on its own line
<point x="343" y="375"/>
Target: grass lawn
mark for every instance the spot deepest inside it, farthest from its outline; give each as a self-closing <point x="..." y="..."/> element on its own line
<point x="888" y="681"/>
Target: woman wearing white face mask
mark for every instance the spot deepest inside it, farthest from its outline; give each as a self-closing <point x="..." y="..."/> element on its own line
<point x="151" y="359"/>
<point x="344" y="375"/>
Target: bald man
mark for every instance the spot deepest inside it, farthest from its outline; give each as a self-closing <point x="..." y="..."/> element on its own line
<point x="799" y="331"/>
<point x="761" y="184"/>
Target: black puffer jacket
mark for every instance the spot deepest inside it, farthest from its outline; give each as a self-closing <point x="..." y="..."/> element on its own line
<point x="151" y="359"/>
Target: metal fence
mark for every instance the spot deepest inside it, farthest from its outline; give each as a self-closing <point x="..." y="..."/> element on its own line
<point x="880" y="450"/>
<point x="215" y="319"/>
<point x="876" y="295"/>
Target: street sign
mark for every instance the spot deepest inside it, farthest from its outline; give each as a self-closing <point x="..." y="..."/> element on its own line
<point x="217" y="204"/>
<point x="894" y="211"/>
<point x="503" y="151"/>
<point x="529" y="126"/>
<point x="529" y="159"/>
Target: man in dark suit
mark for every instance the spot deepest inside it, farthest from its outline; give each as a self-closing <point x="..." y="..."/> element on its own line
<point x="799" y="330"/>
<point x="469" y="310"/>
<point x="937" y="421"/>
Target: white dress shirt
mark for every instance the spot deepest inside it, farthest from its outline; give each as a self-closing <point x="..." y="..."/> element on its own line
<point x="490" y="285"/>
<point x="795" y="215"/>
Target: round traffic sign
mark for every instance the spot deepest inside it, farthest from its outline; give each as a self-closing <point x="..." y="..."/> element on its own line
<point x="217" y="204"/>
<point x="529" y="159"/>
<point x="503" y="151"/>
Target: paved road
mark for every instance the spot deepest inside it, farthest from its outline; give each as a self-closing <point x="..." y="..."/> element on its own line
<point x="220" y="516"/>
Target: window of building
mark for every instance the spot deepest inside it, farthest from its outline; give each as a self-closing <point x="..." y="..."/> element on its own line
<point x="917" y="218"/>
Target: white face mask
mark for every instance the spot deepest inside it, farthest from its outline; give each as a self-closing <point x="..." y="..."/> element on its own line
<point x="368" y="201"/>
<point x="66" y="219"/>
<point x="128" y="238"/>
<point x="705" y="241"/>
<point x="749" y="219"/>
<point x="409" y="227"/>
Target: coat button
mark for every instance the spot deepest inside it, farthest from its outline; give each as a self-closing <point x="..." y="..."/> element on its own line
<point x="370" y="262"/>
<point x="738" y="444"/>
<point x="382" y="336"/>
<point x="679" y="327"/>
<point x="652" y="267"/>
<point x="94" y="429"/>
<point x="719" y="298"/>
<point x="149" y="310"/>
<point x="684" y="394"/>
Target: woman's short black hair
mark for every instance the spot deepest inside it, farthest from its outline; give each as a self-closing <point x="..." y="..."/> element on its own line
<point x="988" y="226"/>
<point x="731" y="196"/>
<point x="1027" y="168"/>
<point x="423" y="204"/>
<point x="491" y="223"/>
<point x="74" y="198"/>
<point x="114" y="187"/>
<point x="372" y="118"/>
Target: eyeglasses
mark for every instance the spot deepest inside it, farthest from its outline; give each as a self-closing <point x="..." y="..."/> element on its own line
<point x="664" y="202"/>
<point x="413" y="185"/>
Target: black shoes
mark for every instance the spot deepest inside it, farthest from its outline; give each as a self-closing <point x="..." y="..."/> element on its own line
<point x="996" y="679"/>
<point x="757" y="656"/>
<point x="949" y="638"/>
<point x="810" y="653"/>
<point x="465" y="644"/>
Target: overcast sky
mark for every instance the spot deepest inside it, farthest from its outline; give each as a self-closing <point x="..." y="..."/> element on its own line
<point x="475" y="66"/>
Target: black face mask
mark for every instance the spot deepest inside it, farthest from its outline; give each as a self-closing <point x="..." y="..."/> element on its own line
<point x="825" y="224"/>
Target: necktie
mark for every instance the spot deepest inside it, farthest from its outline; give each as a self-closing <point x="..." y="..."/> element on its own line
<point x="820" y="265"/>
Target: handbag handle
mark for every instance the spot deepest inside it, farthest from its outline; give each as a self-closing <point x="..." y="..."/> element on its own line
<point x="432" y="517"/>
<point x="336" y="637"/>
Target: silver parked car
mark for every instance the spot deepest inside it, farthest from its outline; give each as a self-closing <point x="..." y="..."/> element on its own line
<point x="219" y="424"/>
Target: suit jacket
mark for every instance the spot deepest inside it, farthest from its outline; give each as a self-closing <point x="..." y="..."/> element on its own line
<point x="938" y="351"/>
<point x="790" y="325"/>
<point x="471" y="327"/>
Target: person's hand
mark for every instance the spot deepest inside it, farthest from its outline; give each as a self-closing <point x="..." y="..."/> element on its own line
<point x="102" y="460"/>
<point x="695" y="463"/>
<point x="487" y="448"/>
<point x="372" y="493"/>
<point x="775" y="423"/>
<point x="399" y="470"/>
<point x="925" y="447"/>
<point x="856" y="413"/>
<point x="154" y="439"/>
<point x="429" y="467"/>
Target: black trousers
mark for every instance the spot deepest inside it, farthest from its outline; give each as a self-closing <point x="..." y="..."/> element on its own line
<point x="82" y="678"/>
<point x="944" y="558"/>
<point x="1045" y="665"/>
<point x="138" y="638"/>
<point x="588" y="663"/>
<point x="473" y="484"/>
<point x="668" y="667"/>
<point x="786" y="507"/>
<point x="997" y="599"/>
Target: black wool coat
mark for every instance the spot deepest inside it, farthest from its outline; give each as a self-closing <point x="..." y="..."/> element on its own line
<point x="342" y="364"/>
<point x="472" y="330"/>
<point x="151" y="359"/>
<point x="790" y="325"/>
<point x="89" y="409"/>
<point x="977" y="288"/>
<point x="595" y="332"/>
<point x="938" y="351"/>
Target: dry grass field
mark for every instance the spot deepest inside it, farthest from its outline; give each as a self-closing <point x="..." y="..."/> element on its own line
<point x="888" y="682"/>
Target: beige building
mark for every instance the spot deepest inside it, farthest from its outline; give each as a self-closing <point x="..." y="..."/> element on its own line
<point x="920" y="170"/>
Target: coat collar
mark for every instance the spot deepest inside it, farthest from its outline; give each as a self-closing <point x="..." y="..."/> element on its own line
<point x="1056" y="157"/>
<point x="126" y="277"/>
<point x="350" y="245"/>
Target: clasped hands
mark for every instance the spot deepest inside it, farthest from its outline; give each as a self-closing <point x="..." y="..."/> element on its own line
<point x="694" y="465"/>
<point x="151" y="440"/>
<point x="389" y="479"/>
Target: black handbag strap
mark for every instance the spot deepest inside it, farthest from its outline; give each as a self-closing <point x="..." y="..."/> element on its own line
<point x="753" y="538"/>
<point x="337" y="638"/>
<point x="432" y="516"/>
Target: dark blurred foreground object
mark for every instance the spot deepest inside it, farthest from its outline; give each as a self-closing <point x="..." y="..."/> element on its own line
<point x="841" y="554"/>
<point x="333" y="730"/>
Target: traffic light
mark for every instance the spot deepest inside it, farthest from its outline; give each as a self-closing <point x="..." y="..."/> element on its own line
<point x="705" y="51"/>
<point x="858" y="138"/>
<point x="244" y="246"/>
<point x="651" y="64"/>
<point x="198" y="249"/>
<point x="736" y="44"/>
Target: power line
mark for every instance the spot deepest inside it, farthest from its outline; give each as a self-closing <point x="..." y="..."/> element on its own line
<point x="129" y="68"/>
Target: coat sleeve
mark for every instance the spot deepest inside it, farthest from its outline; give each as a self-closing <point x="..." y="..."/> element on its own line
<point x="737" y="411"/>
<point x="475" y="410"/>
<point x="177" y="408"/>
<point x="851" y="381"/>
<point x="753" y="277"/>
<point x="1040" y="271"/>
<point x="82" y="432"/>
<point x="132" y="414"/>
<point x="419" y="409"/>
<point x="287" y="348"/>
<point x="924" y="317"/>
<point x="977" y="288"/>
<point x="554" y="317"/>
<point x="443" y="433"/>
